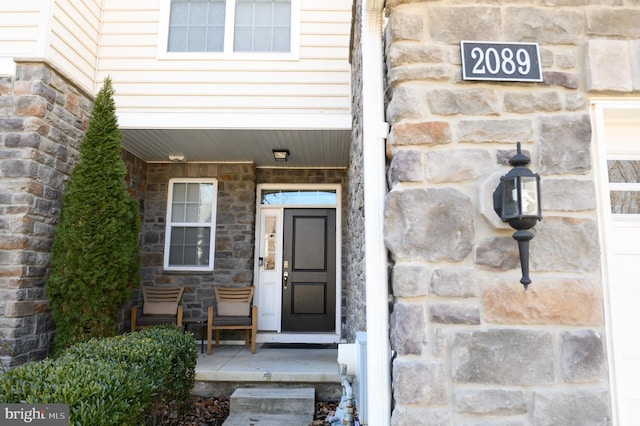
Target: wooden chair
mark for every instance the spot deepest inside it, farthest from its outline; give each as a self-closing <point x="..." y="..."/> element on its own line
<point x="161" y="305"/>
<point x="233" y="310"/>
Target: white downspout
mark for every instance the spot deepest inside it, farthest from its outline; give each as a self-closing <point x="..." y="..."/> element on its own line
<point x="374" y="133"/>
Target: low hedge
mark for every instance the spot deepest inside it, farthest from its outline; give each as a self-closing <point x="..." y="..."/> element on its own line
<point x="112" y="381"/>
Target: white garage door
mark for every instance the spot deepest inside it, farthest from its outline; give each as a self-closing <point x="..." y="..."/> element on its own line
<point x="619" y="160"/>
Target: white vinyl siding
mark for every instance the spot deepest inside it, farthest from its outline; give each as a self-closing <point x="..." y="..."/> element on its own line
<point x="20" y="31"/>
<point x="74" y="40"/>
<point x="316" y="80"/>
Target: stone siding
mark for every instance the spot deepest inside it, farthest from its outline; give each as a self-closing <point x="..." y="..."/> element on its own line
<point x="235" y="224"/>
<point x="235" y="220"/>
<point x="354" y="253"/>
<point x="472" y="346"/>
<point x="43" y="119"/>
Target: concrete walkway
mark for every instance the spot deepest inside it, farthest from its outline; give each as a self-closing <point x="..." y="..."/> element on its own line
<point x="268" y="364"/>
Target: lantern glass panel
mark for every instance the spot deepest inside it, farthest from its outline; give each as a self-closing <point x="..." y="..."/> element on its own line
<point x="509" y="199"/>
<point x="529" y="196"/>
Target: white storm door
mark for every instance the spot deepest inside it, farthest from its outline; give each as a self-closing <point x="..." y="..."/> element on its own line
<point x="270" y="270"/>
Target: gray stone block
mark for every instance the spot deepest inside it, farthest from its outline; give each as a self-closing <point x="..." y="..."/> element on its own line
<point x="583" y="356"/>
<point x="506" y="357"/>
<point x="455" y="282"/>
<point x="491" y="402"/>
<point x="429" y="224"/>
<point x="418" y="382"/>
<point x="408" y="328"/>
<point x="583" y="408"/>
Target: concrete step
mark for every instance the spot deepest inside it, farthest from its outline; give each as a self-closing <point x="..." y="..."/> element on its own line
<point x="257" y="419"/>
<point x="297" y="401"/>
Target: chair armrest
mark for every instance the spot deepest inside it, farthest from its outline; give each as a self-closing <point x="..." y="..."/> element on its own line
<point x="209" y="328"/>
<point x="179" y="318"/>
<point x="134" y="316"/>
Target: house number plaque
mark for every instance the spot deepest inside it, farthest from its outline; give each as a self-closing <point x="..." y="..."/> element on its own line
<point x="500" y="61"/>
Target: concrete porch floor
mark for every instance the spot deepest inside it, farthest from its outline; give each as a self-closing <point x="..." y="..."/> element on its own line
<point x="232" y="366"/>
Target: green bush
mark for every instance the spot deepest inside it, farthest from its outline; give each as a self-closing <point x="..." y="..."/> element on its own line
<point x="111" y="381"/>
<point x="95" y="254"/>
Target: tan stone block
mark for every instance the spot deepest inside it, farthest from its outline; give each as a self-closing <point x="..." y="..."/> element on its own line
<point x="430" y="132"/>
<point x="571" y="301"/>
<point x="14" y="309"/>
<point x="609" y="66"/>
<point x="34" y="106"/>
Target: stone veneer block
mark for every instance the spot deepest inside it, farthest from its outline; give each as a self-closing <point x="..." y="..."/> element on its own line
<point x="429" y="224"/>
<point x="455" y="282"/>
<point x="457" y="165"/>
<point x="452" y="24"/>
<point x="501" y="131"/>
<point x="408" y="328"/>
<point x="583" y="357"/>
<point x="571" y="301"/>
<point x="423" y="133"/>
<point x="410" y="279"/>
<point x="567" y="194"/>
<point x="498" y="402"/>
<point x="415" y="416"/>
<point x="454" y="313"/>
<point x="565" y="244"/>
<point x="471" y="102"/>
<point x="618" y="22"/>
<point x="608" y="66"/>
<point x="407" y="166"/>
<point x="565" y="145"/>
<point x="503" y="357"/>
<point x="406" y="26"/>
<point x="584" y="408"/>
<point x="499" y="253"/>
<point x="546" y="25"/>
<point x="417" y="382"/>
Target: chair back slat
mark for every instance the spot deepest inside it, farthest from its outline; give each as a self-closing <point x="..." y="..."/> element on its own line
<point x="232" y="294"/>
<point x="159" y="294"/>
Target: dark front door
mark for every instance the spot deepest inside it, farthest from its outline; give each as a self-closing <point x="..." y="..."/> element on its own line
<point x="309" y="270"/>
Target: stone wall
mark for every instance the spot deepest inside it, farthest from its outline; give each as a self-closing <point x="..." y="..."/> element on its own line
<point x="473" y="347"/>
<point x="354" y="254"/>
<point x="43" y="117"/>
<point x="233" y="259"/>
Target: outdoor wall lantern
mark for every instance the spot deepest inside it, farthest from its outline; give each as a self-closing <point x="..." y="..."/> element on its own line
<point x="517" y="201"/>
<point x="280" y="154"/>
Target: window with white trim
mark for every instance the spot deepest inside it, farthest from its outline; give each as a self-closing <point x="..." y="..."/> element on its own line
<point x="190" y="232"/>
<point x="230" y="26"/>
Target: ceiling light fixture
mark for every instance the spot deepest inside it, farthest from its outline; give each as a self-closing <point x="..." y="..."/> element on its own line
<point x="280" y="154"/>
<point x="176" y="157"/>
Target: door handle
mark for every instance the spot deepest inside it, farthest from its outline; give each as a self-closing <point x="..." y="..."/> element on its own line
<point x="285" y="277"/>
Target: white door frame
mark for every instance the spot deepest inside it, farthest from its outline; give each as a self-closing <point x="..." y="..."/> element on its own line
<point x="611" y="142"/>
<point x="277" y="336"/>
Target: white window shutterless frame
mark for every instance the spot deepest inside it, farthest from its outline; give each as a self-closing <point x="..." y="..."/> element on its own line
<point x="229" y="29"/>
<point x="190" y="230"/>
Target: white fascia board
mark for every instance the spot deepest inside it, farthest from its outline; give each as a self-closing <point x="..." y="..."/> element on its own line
<point x="207" y="120"/>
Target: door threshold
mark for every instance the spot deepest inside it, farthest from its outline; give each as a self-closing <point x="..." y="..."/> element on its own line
<point x="274" y="337"/>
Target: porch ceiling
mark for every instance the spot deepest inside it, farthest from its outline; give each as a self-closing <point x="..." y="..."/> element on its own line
<point x="308" y="148"/>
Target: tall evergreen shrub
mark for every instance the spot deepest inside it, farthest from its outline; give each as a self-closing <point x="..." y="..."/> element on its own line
<point x="95" y="253"/>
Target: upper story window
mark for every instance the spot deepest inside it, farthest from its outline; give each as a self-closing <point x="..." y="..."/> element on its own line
<point x="230" y="26"/>
<point x="190" y="232"/>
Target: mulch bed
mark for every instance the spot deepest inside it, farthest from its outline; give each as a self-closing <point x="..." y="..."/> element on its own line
<point x="212" y="411"/>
